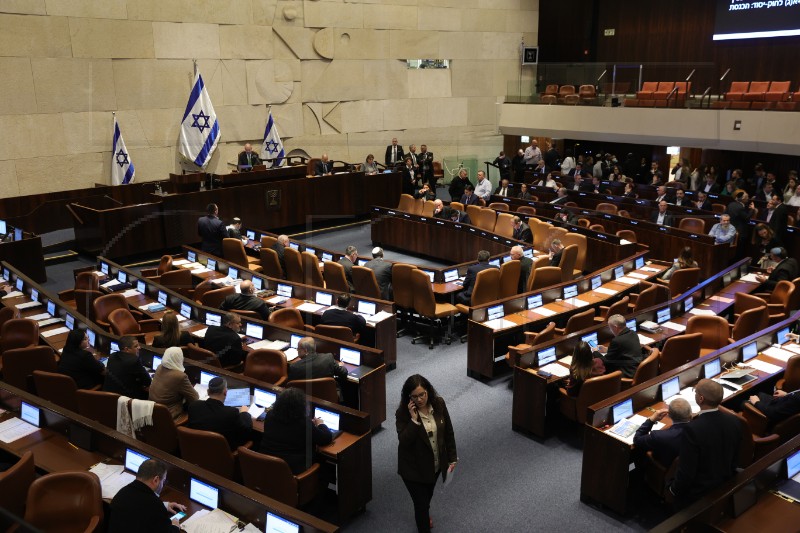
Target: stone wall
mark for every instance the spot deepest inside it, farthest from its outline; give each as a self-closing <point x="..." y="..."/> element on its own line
<point x="334" y="72"/>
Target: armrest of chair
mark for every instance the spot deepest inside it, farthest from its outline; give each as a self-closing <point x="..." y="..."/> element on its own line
<point x="309" y="327"/>
<point x="756" y="420"/>
<point x="764" y="445"/>
<point x="93" y="523"/>
<point x="307" y="483"/>
<point x="559" y="331"/>
<point x="182" y="420"/>
<point x="664" y="282"/>
<point x="150" y="325"/>
<point x="774" y="309"/>
<point x="281" y="381"/>
<point x="763" y="295"/>
<point x="66" y="295"/>
<point x="248" y="445"/>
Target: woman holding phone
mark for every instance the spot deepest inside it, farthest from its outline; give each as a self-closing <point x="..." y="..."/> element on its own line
<point x="427" y="444"/>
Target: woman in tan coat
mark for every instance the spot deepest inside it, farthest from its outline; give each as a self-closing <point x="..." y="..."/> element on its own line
<point x="171" y="386"/>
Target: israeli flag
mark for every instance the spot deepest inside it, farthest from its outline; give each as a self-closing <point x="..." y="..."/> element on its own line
<point x="122" y="171"/>
<point x="272" y="147"/>
<point x="199" y="128"/>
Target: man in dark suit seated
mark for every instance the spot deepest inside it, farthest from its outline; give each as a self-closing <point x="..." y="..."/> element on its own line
<point x="469" y="197"/>
<point x="786" y="269"/>
<point x="556" y="251"/>
<point x="561" y="196"/>
<point x="312" y="365"/>
<point x="248" y="158"/>
<point x="458" y="216"/>
<point x="666" y="443"/>
<point x="347" y="261"/>
<point x="661" y="217"/>
<point x="702" y="202"/>
<point x="624" y="351"/>
<point x="777" y="407"/>
<point x="525" y="267"/>
<point x="279" y="247"/>
<point x="235" y="424"/>
<point x="235" y="228"/>
<point x="323" y="167"/>
<point x="125" y="374"/>
<point x="137" y="507"/>
<point x="580" y="184"/>
<point x="709" y="447"/>
<point x="465" y="296"/>
<point x="522" y="232"/>
<point x="341" y="316"/>
<point x="440" y="211"/>
<point x="211" y="230"/>
<point x="246" y="300"/>
<point x="383" y="272"/>
<point x="224" y="340"/>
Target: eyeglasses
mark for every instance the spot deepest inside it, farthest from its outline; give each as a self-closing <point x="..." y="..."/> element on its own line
<point x="419" y="396"/>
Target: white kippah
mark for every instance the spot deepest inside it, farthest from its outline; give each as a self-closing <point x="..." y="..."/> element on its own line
<point x="377" y="250"/>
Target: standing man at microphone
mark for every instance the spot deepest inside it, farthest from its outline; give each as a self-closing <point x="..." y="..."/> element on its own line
<point x="394" y="153"/>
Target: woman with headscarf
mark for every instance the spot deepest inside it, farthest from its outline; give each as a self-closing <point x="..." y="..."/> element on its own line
<point x="171" y="386"/>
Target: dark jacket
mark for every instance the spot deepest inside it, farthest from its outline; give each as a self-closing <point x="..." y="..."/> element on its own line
<point x="211" y="231"/>
<point x="399" y="158"/>
<point x="665" y="444"/>
<point x="785" y="270"/>
<point x="383" y="274"/>
<point x="523" y="233"/>
<point x="225" y="343"/>
<point x="279" y="248"/>
<point x="336" y="316"/>
<point x="456" y="188"/>
<point x="779" y="220"/>
<point x="668" y="220"/>
<point x="465" y="296"/>
<point x="246" y="302"/>
<point x="318" y="365"/>
<point x="414" y="452"/>
<point x="252" y="160"/>
<point x="322" y="168"/>
<point x="125" y="375"/>
<point x="213" y="415"/>
<point x="525" y="267"/>
<point x="624" y="353"/>
<point x="184" y="339"/>
<point x="740" y="218"/>
<point x="472" y="199"/>
<point x="410" y="177"/>
<point x="137" y="508"/>
<point x="81" y="366"/>
<point x="348" y="271"/>
<point x="777" y="409"/>
<point x="294" y="441"/>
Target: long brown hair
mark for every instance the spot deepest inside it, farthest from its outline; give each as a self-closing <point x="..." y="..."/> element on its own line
<point x="170" y="329"/>
<point x="581" y="366"/>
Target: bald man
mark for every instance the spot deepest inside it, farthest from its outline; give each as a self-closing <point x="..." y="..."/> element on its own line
<point x="323" y="167"/>
<point x="525" y="266"/>
<point x="666" y="443"/>
<point x="248" y="158"/>
<point x="246" y="300"/>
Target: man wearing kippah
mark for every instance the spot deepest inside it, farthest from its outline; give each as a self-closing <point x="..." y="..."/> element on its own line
<point x="785" y="269"/>
<point x="213" y="415"/>
<point x="383" y="272"/>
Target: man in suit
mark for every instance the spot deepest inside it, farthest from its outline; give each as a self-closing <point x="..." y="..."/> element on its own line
<point x="458" y="185"/>
<point x="383" y="272"/>
<point x="765" y="192"/>
<point x="224" y="340"/>
<point x="624" y="351"/>
<point x="235" y="228"/>
<point x="710" y="186"/>
<point x="740" y="212"/>
<point x="465" y="296"/>
<point x="347" y="261"/>
<point x="249" y="158"/>
<point x="556" y="251"/>
<point x="709" y="449"/>
<point x="425" y="162"/>
<point x="503" y="189"/>
<point x="125" y="374"/>
<point x="561" y="196"/>
<point x="279" y="247"/>
<point x="458" y="216"/>
<point x="409" y="176"/>
<point x="580" y="184"/>
<point x="777" y="407"/>
<point x="680" y="198"/>
<point x="235" y="424"/>
<point x="662" y="194"/>
<point x="522" y="232"/>
<point x="504" y="166"/>
<point x="412" y="153"/>
<point x="777" y="216"/>
<point x="469" y="197"/>
<point x="439" y="210"/>
<point x="665" y="444"/>
<point x="786" y="269"/>
<point x="312" y="365"/>
<point x="211" y="230"/>
<point x="661" y="217"/>
<point x="394" y="154"/>
<point x="339" y="315"/>
<point x="518" y="165"/>
<point x="137" y="507"/>
<point x="551" y="157"/>
<point x="323" y="167"/>
<point x="246" y="300"/>
<point x="702" y="202"/>
<point x="525" y="267"/>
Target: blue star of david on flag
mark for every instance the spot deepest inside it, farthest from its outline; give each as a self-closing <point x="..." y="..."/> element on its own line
<point x="197" y="118"/>
<point x="272" y="145"/>
<point x="200" y="131"/>
<point x="122" y="171"/>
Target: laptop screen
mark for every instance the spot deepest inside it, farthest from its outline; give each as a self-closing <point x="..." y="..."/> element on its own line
<point x="349" y="356"/>
<point x="571" y="291"/>
<point x="749" y="351"/>
<point x="362" y="262"/>
<point x="670" y="388"/>
<point x="596" y="282"/>
<point x="783" y="336"/>
<point x="546" y="356"/>
<point x="141" y="286"/>
<point x="793" y="465"/>
<point x="712" y="368"/>
<point x="662" y="315"/>
<point x="203" y="493"/>
<point x="534" y="301"/>
<point x="51" y="308"/>
<point x="329" y="418"/>
<point x="590" y="339"/>
<point x="186" y="310"/>
<point x="284" y="290"/>
<point x="17" y="234"/>
<point x="162" y="297"/>
<point x="213" y="319"/>
<point x="639" y="262"/>
<point x="688" y="304"/>
<point x="70" y="321"/>
<point x="89" y="333"/>
<point x="327" y="257"/>
<point x="619" y="272"/>
<point x="528" y="252"/>
<point x="495" y="262"/>
<point x="3" y="227"/>
<point x="114" y="347"/>
<point x="277" y="524"/>
<point x="7" y="274"/>
<point x="506" y="258"/>
<point x="134" y="459"/>
<point x="233" y="272"/>
<point x="496" y="311"/>
<point x="104" y="268"/>
<point x="156" y="362"/>
<point x="34" y="295"/>
<point x="29" y="414"/>
<point x="258" y="283"/>
<point x="367" y="308"/>
<point x="429" y="273"/>
<point x="254" y="330"/>
<point x="251" y="235"/>
<point x="450" y="275"/>
<point x="191" y="256"/>
<point x="211" y="264"/>
<point x="324" y="298"/>
<point x="293" y="340"/>
<point x="631" y="324"/>
<point x="622" y="410"/>
<point x="294" y="245"/>
<point x="205" y="378"/>
<point x="264" y="398"/>
<point x="122" y="276"/>
<point x="311" y="250"/>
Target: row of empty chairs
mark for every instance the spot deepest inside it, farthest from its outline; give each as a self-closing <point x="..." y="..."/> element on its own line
<point x="566" y="94"/>
<point x="759" y="95"/>
<point x="661" y="94"/>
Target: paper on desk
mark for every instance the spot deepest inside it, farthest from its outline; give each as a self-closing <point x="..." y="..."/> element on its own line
<point x="643" y="339"/>
<point x="49" y="321"/>
<point x="650" y="269"/>
<point x="792" y="348"/>
<point x="556" y="369"/>
<point x="179" y="262"/>
<point x="14" y="429"/>
<point x="380" y="316"/>
<point x="749" y="278"/>
<point x="200" y="332"/>
<point x="291" y="354"/>
<point x="191" y="266"/>
<point x="543" y="311"/>
<point x="625" y="430"/>
<point x="201" y="270"/>
<point x="40" y="316"/>
<point x="275" y="300"/>
<point x="110" y="283"/>
<point x="255" y="410"/>
<point x="673" y="326"/>
<point x="28" y="305"/>
<point x="227" y="280"/>
<point x="721" y="299"/>
<point x="267" y="344"/>
<point x="499" y="323"/>
<point x="763" y="366"/>
<point x="180" y="318"/>
<point x="576" y="302"/>
<point x="130" y="292"/>
<point x="627" y="280"/>
<point x="202" y="391"/>
<point x="112" y="478"/>
<point x="309" y="307"/>
<point x="707" y="312"/>
<point x="12" y="294"/>
<point x="566" y="360"/>
<point x="637" y="275"/>
<point x="778" y="353"/>
<point x="605" y="290"/>
<point x="56" y="331"/>
<point x="216" y="521"/>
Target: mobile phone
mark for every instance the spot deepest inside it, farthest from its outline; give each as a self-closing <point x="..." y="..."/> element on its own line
<point x="177" y="516"/>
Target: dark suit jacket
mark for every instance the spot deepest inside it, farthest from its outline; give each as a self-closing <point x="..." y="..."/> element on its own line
<point x="414" y="451"/>
<point x="253" y="160"/>
<point x="125" y="375"/>
<point x="137" y="508"/>
<point x="472" y="200"/>
<point x="388" y="158"/>
<point x="624" y="353"/>
<point x="465" y="296"/>
<point x="313" y="366"/>
<point x="556" y="259"/>
<point x="706" y="206"/>
<point x="463" y="217"/>
<point x="779" y="220"/>
<point x="342" y="317"/>
<point x="213" y="415"/>
<point x="456" y="189"/>
<point x="234" y="233"/>
<point x="409" y="182"/>
<point x="668" y="220"/>
<point x="715" y="188"/>
<point x="225" y="343"/>
<point x="523" y="233"/>
<point x="247" y="302"/>
<point x="504" y="165"/>
<point x="81" y="366"/>
<point x="279" y="248"/>
<point x="211" y="231"/>
<point x="348" y="271"/>
<point x="425" y="162"/>
<point x="785" y="270"/>
<point x="778" y="409"/>
<point x="321" y="167"/>
<point x="740" y="218"/>
<point x="293" y="441"/>
<point x="708" y="455"/>
<point x="383" y="274"/>
<point x="665" y="444"/>
<point x="525" y="266"/>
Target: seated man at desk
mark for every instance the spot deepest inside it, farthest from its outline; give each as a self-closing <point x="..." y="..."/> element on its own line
<point x="723" y="231"/>
<point x="439" y="210"/>
<point x="522" y="232"/>
<point x="624" y="352"/>
<point x="561" y="196"/>
<point x="224" y="340"/>
<point x="777" y="407"/>
<point x="556" y="251"/>
<point x="248" y="158"/>
<point x="503" y="189"/>
<point x="235" y="228"/>
<point x="340" y="316"/>
<point x="125" y="374"/>
<point x="785" y="269"/>
<point x="279" y="247"/>
<point x="666" y="443"/>
<point x="709" y="450"/>
<point x="246" y="300"/>
<point x="525" y="267"/>
<point x="661" y="217"/>
<point x="469" y="197"/>
<point x="465" y="296"/>
<point x="137" y="507"/>
<point x="323" y="167"/>
<point x="313" y="365"/>
<point x="383" y="272"/>
<point x="211" y="230"/>
<point x="347" y="261"/>
<point x="212" y="414"/>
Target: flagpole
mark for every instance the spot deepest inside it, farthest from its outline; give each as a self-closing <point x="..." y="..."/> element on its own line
<point x="114" y="117"/>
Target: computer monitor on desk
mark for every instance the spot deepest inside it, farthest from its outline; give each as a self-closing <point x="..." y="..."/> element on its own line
<point x="327" y="257"/>
<point x="495" y="312"/>
<point x="631" y="324"/>
<point x="534" y="301"/>
<point x="670" y="388"/>
<point x="233" y="272"/>
<point x="749" y="351"/>
<point x="712" y="369"/>
<point x="782" y="336"/>
<point x="213" y="319"/>
<point x="591" y="340"/>
<point x="619" y="272"/>
<point x="3" y="228"/>
<point x="284" y="290"/>
<point x="254" y="330"/>
<point x="596" y="282"/>
<point x="570" y="291"/>
<point x="323" y="298"/>
<point x="663" y="315"/>
<point x="191" y="256"/>
<point x="495" y="262"/>
<point x="134" y="459"/>
<point x="258" y="283"/>
<point x="546" y="356"/>
<point x="251" y="235"/>
<point x="622" y="410"/>
<point x="186" y="310"/>
<point x="276" y="524"/>
<point x="450" y="275"/>
<point x="203" y="493"/>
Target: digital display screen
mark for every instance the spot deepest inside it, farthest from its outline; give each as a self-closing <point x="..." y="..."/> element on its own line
<point x="639" y="262"/>
<point x="70" y="321"/>
<point x="237" y="397"/>
<point x="294" y="340"/>
<point x="34" y="295"/>
<point x="284" y="290"/>
<point x="570" y="291"/>
<point x="20" y="284"/>
<point x="162" y="297"/>
<point x="277" y="524"/>
<point x="327" y="257"/>
<point x="596" y="282"/>
<point x="7" y="274"/>
<point x="591" y="340"/>
<point x="329" y="418"/>
<point x="3" y="227"/>
<point x="495" y="262"/>
<point x="662" y="315"/>
<point x="362" y="262"/>
<point x="211" y="264"/>
<point x="205" y="378"/>
<point x="670" y="388"/>
<point x="688" y="304"/>
<point x="619" y="272"/>
<point x="17" y="234"/>
<point x="254" y="330"/>
<point x="712" y="368"/>
<point x="51" y="308"/>
<point x="122" y="276"/>
<point x="191" y="256"/>
<point x="534" y="301"/>
<point x="546" y="356"/>
<point x="749" y="351"/>
<point x="233" y="272"/>
<point x="528" y="252"/>
<point x="310" y="250"/>
<point x="506" y="258"/>
<point x="294" y="245"/>
<point x="186" y="310"/>
<point x="367" y="308"/>
<point x="89" y="333"/>
<point x="203" y="493"/>
<point x="114" y="347"/>
<point x="141" y="286"/>
<point x="134" y="459"/>
<point x="213" y="319"/>
<point x="631" y="324"/>
<point x="29" y="414"/>
<point x="495" y="312"/>
<point x="622" y="410"/>
<point x="264" y="398"/>
<point x="104" y="268"/>
<point x="737" y="19"/>
<point x="258" y="283"/>
<point x="251" y="235"/>
<point x="156" y="362"/>
<point x="783" y="336"/>
<point x="793" y="465"/>
<point x="323" y="298"/>
<point x="429" y="273"/>
<point x="450" y="275"/>
<point x="349" y="356"/>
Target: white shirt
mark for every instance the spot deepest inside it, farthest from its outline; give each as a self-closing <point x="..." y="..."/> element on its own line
<point x="532" y="155"/>
<point x="483" y="189"/>
<point x="794" y="200"/>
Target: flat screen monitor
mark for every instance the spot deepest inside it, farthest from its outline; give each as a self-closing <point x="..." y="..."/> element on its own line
<point x="213" y="319"/>
<point x="104" y="267"/>
<point x="134" y="459"/>
<point x="688" y="304"/>
<point x="622" y="410"/>
<point x="506" y="258"/>
<point x="450" y="275"/>
<point x="92" y="336"/>
<point x="528" y="252"/>
<point x="663" y="315"/>
<point x="310" y="250"/>
<point x="294" y="340"/>
<point x="546" y="356"/>
<point x="162" y="297"/>
<point x="51" y="308"/>
<point x="534" y="301"/>
<point x="141" y="286"/>
<point x="186" y="310"/>
<point x="20" y="284"/>
<point x="203" y="493"/>
<point x="294" y="245"/>
<point x="34" y="295"/>
<point x="362" y="262"/>
<point x="7" y="274"/>
<point x="233" y="272"/>
<point x="3" y="227"/>
<point x="755" y="20"/>
<point x="429" y="273"/>
<point x="749" y="351"/>
<point x="277" y="524"/>
<point x="264" y="398"/>
<point x="156" y="362"/>
<point x="69" y="320"/>
<point x="670" y="388"/>
<point x="258" y="283"/>
<point x="29" y="413"/>
<point x="793" y="465"/>
<point x="211" y="264"/>
<point x="591" y="340"/>
<point x="327" y="257"/>
<point x="254" y="330"/>
<point x="619" y="272"/>
<point x="495" y="262"/>
<point x="191" y="256"/>
<point x="639" y="262"/>
<point x="367" y="308"/>
<point x="350" y="356"/>
<point x="323" y="298"/>
<point x="122" y="276"/>
<point x="329" y="418"/>
<point x="251" y="235"/>
<point x="17" y="234"/>
<point x="596" y="282"/>
<point x="113" y="347"/>
<point x="712" y="369"/>
<point x="284" y="290"/>
<point x="494" y="312"/>
<point x="570" y="291"/>
<point x="631" y="324"/>
<point x="205" y="378"/>
<point x="783" y="336"/>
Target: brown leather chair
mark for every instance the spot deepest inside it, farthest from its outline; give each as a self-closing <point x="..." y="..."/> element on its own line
<point x="207" y="449"/>
<point x="272" y="477"/>
<point x="584" y="222"/>
<point x="714" y="331"/>
<point x="657" y="476"/>
<point x="270" y="264"/>
<point x="196" y="353"/>
<point x="294" y="266"/>
<point x="57" y="388"/>
<point x="682" y="280"/>
<point x="322" y="388"/>
<point x="757" y="91"/>
<point x="19" y="364"/>
<point x="88" y="281"/>
<point x="620" y="307"/>
<point x="18" y="333"/>
<point x="646" y="298"/>
<point x="751" y="447"/>
<point x="343" y="333"/>
<point x="544" y="277"/>
<point x="245" y="313"/>
<point x="202" y="288"/>
<point x="540" y="235"/>
<point x="15" y="483"/>
<point x="402" y="292"/>
<point x="311" y="271"/>
<point x="215" y="297"/>
<point x="566" y="91"/>
<point x="647" y="90"/>
<point x="100" y="406"/>
<point x="579" y="241"/>
<point x="624" y="213"/>
<point x="499" y="206"/>
<point x="334" y="276"/>
<point x="474" y="213"/>
<point x="693" y="225"/>
<point x="748" y="323"/>
<point x="593" y="390"/>
<point x="487" y="289"/>
<point x="428" y="308"/>
<point x="526" y="210"/>
<point x="778" y="301"/>
<point x="123" y="323"/>
<point x="65" y="502"/>
<point x="647" y="369"/>
<point x="163" y="434"/>
<point x="791" y="376"/>
<point x="605" y="207"/>
<point x="551" y="89"/>
<point x="509" y="278"/>
<point x="628" y="235"/>
<point x="760" y="425"/>
<point x="504" y="225"/>
<point x="268" y="241"/>
<point x="679" y="350"/>
<point x="233" y="252"/>
<point x="599" y="228"/>
<point x="164" y="265"/>
<point x="365" y="283"/>
<point x="531" y="339"/>
<point x="6" y="314"/>
<point x="428" y="208"/>
<point x="289" y="318"/>
<point x="577" y="322"/>
<point x="179" y="281"/>
<point x="457" y="205"/>
<point x="266" y="365"/>
<point x="104" y="305"/>
<point x="406" y="203"/>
